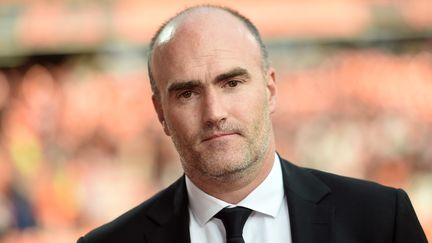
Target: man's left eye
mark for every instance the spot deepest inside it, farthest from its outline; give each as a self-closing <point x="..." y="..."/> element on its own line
<point x="233" y="83"/>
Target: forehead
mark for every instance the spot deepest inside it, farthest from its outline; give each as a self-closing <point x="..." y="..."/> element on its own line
<point x="203" y="43"/>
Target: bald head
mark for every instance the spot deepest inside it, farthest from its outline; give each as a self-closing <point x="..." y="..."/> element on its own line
<point x="188" y="26"/>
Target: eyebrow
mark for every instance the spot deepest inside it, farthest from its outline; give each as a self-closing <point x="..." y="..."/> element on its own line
<point x="192" y="84"/>
<point x="178" y="86"/>
<point x="235" y="72"/>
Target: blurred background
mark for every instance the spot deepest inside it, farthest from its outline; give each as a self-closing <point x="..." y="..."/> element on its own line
<point x="80" y="143"/>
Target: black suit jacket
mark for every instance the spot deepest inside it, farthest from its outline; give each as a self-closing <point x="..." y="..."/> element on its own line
<point x="323" y="208"/>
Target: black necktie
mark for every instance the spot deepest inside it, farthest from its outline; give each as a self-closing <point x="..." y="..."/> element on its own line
<point x="234" y="220"/>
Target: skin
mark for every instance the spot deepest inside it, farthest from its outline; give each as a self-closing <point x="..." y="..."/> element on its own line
<point x="215" y="102"/>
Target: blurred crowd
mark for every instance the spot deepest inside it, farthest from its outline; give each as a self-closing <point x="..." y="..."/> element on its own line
<point x="80" y="143"/>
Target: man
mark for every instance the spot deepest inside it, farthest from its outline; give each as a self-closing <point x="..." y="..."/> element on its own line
<point x="214" y="92"/>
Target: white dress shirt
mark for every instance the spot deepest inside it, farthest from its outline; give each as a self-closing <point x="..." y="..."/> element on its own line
<point x="269" y="221"/>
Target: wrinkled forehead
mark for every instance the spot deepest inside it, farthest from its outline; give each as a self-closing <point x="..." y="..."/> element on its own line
<point x="199" y="38"/>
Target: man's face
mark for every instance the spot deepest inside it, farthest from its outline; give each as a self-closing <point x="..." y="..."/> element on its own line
<point x="215" y="101"/>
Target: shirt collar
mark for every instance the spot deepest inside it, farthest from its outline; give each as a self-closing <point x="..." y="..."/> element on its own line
<point x="267" y="198"/>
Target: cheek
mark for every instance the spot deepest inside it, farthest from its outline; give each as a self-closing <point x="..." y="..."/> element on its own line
<point x="251" y="104"/>
<point x="183" y="123"/>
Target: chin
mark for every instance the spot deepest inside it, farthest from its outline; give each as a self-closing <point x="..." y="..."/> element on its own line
<point x="225" y="164"/>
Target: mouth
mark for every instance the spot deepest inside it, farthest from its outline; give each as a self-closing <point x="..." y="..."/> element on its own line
<point x="218" y="135"/>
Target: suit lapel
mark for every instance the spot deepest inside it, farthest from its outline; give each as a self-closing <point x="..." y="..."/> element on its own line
<point x="172" y="216"/>
<point x="310" y="212"/>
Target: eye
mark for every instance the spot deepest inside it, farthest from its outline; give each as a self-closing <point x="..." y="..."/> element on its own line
<point x="232" y="83"/>
<point x="186" y="94"/>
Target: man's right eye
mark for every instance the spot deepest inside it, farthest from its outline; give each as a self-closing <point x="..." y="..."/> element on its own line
<point x="185" y="94"/>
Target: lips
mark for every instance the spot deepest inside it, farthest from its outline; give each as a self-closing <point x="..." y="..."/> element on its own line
<point x="218" y="135"/>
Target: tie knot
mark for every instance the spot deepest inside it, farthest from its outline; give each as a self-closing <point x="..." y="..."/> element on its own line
<point x="234" y="220"/>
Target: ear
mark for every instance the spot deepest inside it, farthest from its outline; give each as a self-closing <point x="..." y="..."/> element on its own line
<point x="159" y="111"/>
<point x="271" y="89"/>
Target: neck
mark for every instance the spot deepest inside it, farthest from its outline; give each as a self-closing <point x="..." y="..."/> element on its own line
<point x="235" y="189"/>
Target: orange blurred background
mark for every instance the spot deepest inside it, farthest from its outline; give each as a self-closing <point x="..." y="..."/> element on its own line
<point x="80" y="142"/>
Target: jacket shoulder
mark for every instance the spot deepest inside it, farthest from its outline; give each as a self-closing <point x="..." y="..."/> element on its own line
<point x="133" y="224"/>
<point x="365" y="196"/>
<point x="378" y="209"/>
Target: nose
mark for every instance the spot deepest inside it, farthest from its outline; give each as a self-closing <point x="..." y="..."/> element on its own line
<point x="214" y="110"/>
